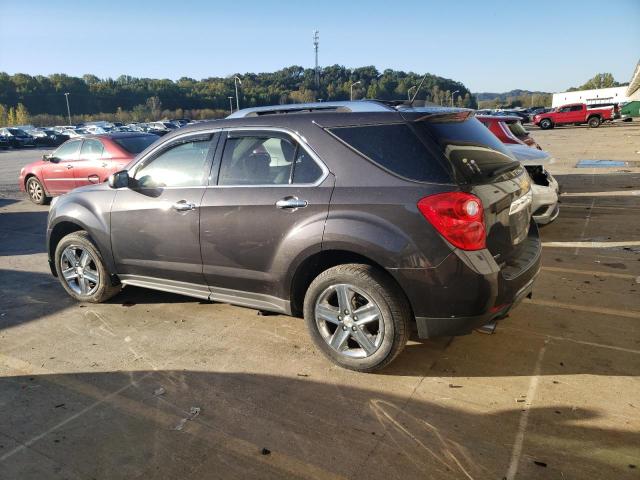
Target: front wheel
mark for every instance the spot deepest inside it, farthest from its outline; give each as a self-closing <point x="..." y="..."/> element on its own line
<point x="357" y="317"/>
<point x="546" y="124"/>
<point x="594" y="122"/>
<point x="81" y="269"/>
<point x="36" y="192"/>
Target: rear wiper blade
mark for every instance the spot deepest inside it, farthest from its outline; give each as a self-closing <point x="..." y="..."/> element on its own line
<point x="506" y="168"/>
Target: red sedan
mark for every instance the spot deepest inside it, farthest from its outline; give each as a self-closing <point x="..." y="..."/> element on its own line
<point x="508" y="129"/>
<point x="81" y="161"/>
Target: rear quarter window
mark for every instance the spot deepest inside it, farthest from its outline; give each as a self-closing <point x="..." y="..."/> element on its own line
<point x="395" y="148"/>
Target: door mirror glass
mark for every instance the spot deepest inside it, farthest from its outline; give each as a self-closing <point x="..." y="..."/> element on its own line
<point x="119" y="179"/>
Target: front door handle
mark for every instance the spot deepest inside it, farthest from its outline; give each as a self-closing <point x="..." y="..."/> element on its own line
<point x="69" y="166"/>
<point x="183" y="206"/>
<point x="291" y="203"/>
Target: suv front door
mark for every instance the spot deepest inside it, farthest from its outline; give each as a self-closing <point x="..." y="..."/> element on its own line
<point x="155" y="222"/>
<point x="269" y="204"/>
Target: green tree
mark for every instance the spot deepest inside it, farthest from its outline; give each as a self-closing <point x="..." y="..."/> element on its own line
<point x="3" y="115"/>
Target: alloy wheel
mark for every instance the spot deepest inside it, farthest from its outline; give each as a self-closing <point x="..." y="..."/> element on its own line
<point x="35" y="190"/>
<point x="349" y="321"/>
<point x="79" y="270"/>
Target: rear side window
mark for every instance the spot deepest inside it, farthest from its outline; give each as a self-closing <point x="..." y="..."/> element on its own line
<point x="264" y="160"/>
<point x="91" y="149"/>
<point x="396" y="148"/>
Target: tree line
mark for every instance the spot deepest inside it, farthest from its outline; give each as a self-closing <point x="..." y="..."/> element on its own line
<point x="145" y="99"/>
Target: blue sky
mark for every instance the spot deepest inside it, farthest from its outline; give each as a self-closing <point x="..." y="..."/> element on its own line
<point x="488" y="45"/>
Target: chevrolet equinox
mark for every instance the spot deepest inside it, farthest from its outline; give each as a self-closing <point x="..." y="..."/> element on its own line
<point x="369" y="219"/>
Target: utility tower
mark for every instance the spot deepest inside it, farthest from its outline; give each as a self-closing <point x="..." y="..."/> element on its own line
<point x="316" y="42"/>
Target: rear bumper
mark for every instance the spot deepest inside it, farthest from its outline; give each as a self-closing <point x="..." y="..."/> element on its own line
<point x="469" y="289"/>
<point x="429" y="327"/>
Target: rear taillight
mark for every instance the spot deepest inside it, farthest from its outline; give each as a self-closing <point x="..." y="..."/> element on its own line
<point x="458" y="217"/>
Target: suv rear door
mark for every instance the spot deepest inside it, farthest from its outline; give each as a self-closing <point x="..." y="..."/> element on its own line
<point x="268" y="204"/>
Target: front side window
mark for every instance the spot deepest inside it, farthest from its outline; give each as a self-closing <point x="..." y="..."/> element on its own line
<point x="68" y="150"/>
<point x="265" y="160"/>
<point x="181" y="165"/>
<point x="91" y="150"/>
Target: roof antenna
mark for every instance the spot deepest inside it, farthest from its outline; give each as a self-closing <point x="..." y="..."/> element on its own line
<point x="418" y="89"/>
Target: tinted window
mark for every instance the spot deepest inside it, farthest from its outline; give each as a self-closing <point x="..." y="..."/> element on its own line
<point x="259" y="160"/>
<point x="136" y="145"/>
<point x="517" y="129"/>
<point x="576" y="108"/>
<point x="397" y="148"/>
<point x="305" y="169"/>
<point x="181" y="165"/>
<point x="474" y="151"/>
<point x="68" y="150"/>
<point x="91" y="150"/>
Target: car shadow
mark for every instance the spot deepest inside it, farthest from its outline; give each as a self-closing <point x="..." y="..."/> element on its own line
<point x="26" y="296"/>
<point x="22" y="232"/>
<point x="196" y="424"/>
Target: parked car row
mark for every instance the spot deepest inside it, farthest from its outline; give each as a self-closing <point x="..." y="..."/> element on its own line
<point x="545" y="188"/>
<point x="30" y="136"/>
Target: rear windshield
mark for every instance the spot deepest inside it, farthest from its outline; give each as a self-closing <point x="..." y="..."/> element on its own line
<point x="136" y="144"/>
<point x="471" y="148"/>
<point x="432" y="149"/>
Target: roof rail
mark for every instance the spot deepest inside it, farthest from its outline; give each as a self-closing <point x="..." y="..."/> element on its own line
<point x="346" y="106"/>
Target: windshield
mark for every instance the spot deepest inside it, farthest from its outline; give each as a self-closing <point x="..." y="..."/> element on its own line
<point x="136" y="145"/>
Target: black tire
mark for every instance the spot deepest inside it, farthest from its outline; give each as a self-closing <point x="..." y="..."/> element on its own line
<point x="546" y="124"/>
<point x="594" y="122"/>
<point x="103" y="290"/>
<point x="36" y="192"/>
<point x="392" y="305"/>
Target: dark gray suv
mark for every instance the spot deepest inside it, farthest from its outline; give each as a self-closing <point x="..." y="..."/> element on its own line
<point x="367" y="218"/>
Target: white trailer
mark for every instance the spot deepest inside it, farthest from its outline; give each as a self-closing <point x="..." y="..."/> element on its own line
<point x="595" y="97"/>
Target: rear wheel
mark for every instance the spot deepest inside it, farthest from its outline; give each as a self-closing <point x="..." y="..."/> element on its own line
<point x="81" y="269"/>
<point x="357" y="317"/>
<point x="594" y="122"/>
<point x="546" y="124"/>
<point x="36" y="192"/>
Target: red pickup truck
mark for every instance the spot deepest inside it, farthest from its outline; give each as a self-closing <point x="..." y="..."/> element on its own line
<point x="576" y="114"/>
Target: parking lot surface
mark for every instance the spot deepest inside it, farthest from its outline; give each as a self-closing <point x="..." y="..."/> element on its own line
<point x="153" y="385"/>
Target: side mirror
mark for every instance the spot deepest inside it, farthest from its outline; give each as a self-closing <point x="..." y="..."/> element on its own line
<point x="53" y="159"/>
<point x="119" y="179"/>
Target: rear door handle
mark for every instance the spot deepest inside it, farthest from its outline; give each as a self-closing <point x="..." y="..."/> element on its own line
<point x="183" y="206"/>
<point x="291" y="203"/>
<point x="69" y="166"/>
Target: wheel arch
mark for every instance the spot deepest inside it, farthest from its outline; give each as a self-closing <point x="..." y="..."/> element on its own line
<point x="313" y="265"/>
<point x="34" y="175"/>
